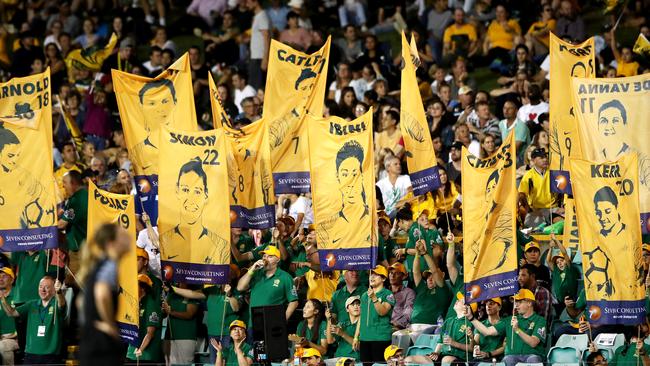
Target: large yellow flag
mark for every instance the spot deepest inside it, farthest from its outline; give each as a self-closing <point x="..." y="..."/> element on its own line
<point x="420" y="156"/>
<point x="193" y="225"/>
<point x="612" y="117"/>
<point x="570" y="238"/>
<point x="343" y="191"/>
<point x="105" y="207"/>
<point x="295" y="86"/>
<point x="145" y="105"/>
<point x="489" y="223"/>
<point x="27" y="185"/>
<point x="250" y="184"/>
<point x="567" y="60"/>
<point x="641" y="46"/>
<point x="607" y="204"/>
<point x="90" y="58"/>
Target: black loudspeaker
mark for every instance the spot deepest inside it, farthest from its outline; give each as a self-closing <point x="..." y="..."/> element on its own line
<point x="270" y="327"/>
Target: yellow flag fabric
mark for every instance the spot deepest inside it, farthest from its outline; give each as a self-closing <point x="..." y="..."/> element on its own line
<point x="219" y="115"/>
<point x="420" y="156"/>
<point x="193" y="225"/>
<point x="607" y="204"/>
<point x="295" y="86"/>
<point x="146" y="104"/>
<point x="612" y="117"/>
<point x="567" y="60"/>
<point x="27" y="185"/>
<point x="642" y="46"/>
<point x="106" y="207"/>
<point x="570" y="238"/>
<point x="489" y="223"/>
<point x="250" y="183"/>
<point x="342" y="171"/>
<point x="75" y="131"/>
<point x="90" y="58"/>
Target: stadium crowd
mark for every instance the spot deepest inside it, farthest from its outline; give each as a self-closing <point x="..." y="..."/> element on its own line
<point x="484" y="72"/>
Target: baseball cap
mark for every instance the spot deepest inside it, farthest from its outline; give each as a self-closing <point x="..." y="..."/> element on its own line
<point x="310" y="352"/>
<point x="311" y="228"/>
<point x="380" y="270"/>
<point x="390" y="351"/>
<point x="127" y="42"/>
<point x="139" y="252"/>
<point x="457" y="145"/>
<point x="426" y="273"/>
<point x="460" y="296"/>
<point x="143" y="278"/>
<point x="524" y="294"/>
<point x="464" y="90"/>
<point x="531" y="245"/>
<point x="497" y="300"/>
<point x="343" y="360"/>
<point x="538" y="153"/>
<point x="351" y="299"/>
<point x="398" y="267"/>
<point x="8" y="271"/>
<point x="645" y="247"/>
<point x="271" y="250"/>
<point x="237" y="323"/>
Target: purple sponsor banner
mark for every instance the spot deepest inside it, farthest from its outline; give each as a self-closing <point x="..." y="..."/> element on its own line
<point x="292" y="182"/>
<point x="616" y="312"/>
<point x="424" y="181"/>
<point x="489" y="287"/>
<point x="147" y="196"/>
<point x="195" y="272"/>
<point x="20" y="240"/>
<point x="257" y="218"/>
<point x="129" y="333"/>
<point x="348" y="258"/>
<point x="645" y="222"/>
<point x="561" y="182"/>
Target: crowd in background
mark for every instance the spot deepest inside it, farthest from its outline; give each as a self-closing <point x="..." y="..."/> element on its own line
<point x="484" y="72"/>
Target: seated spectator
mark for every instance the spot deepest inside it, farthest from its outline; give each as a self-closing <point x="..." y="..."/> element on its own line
<point x="537" y="37"/>
<point x="569" y="23"/>
<point x="502" y="35"/>
<point x="347" y="102"/>
<point x="394" y="356"/>
<point x="535" y="107"/>
<point x="459" y="39"/>
<point x="89" y="37"/>
<point x="525" y="333"/>
<point x="464" y="137"/>
<point x="352" y="12"/>
<point x="205" y="11"/>
<point x="240" y="352"/>
<point x="242" y="89"/>
<point x="488" y="145"/>
<point x="454" y="165"/>
<point x="510" y="122"/>
<point x="438" y="19"/>
<point x="351" y="289"/>
<point x="457" y="339"/>
<point x="386" y="244"/>
<point x="535" y="186"/>
<point x="485" y="123"/>
<point x="390" y="136"/>
<point x="154" y="64"/>
<point x="532" y="255"/>
<point x="404" y="296"/>
<point x="312" y="328"/>
<point x="522" y="62"/>
<point x="394" y="187"/>
<point x="490" y="347"/>
<point x="446" y="197"/>
<point x="221" y="46"/>
<point x="295" y="36"/>
<point x="310" y="357"/>
<point x="350" y="44"/>
<point x="369" y="74"/>
<point x="343" y="333"/>
<point x="543" y="300"/>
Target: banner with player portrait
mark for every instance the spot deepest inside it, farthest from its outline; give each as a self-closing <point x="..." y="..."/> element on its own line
<point x="570" y="237"/>
<point x="607" y="204"/>
<point x="612" y="117"/>
<point x="295" y="86"/>
<point x="489" y="223"/>
<point x="420" y="156"/>
<point x="567" y="61"/>
<point x="343" y="191"/>
<point x="146" y="104"/>
<point x="193" y="225"/>
<point x="27" y="185"/>
<point x="105" y="207"/>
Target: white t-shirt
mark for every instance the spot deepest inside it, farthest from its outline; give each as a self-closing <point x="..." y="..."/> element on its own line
<point x="546" y="66"/>
<point x="261" y="23"/>
<point x="302" y="206"/>
<point x="240" y="95"/>
<point x="337" y="91"/>
<point x="392" y="194"/>
<point x="154" y="255"/>
<point x="529" y="112"/>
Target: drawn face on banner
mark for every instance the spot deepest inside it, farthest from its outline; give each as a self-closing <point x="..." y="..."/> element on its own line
<point x="490" y="189"/>
<point x="349" y="161"/>
<point x="158" y="99"/>
<point x="606" y="210"/>
<point x="611" y="118"/>
<point x="9" y="150"/>
<point x="191" y="190"/>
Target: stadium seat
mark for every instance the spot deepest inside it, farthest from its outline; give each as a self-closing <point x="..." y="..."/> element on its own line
<point x="564" y="356"/>
<point x="579" y="342"/>
<point x="378" y="364"/>
<point x="429" y="340"/>
<point x="490" y="364"/>
<point x="419" y="350"/>
<point x="529" y="364"/>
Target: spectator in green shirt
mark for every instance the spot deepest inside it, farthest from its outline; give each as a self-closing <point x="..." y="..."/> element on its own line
<point x="239" y="353"/>
<point x="312" y="329"/>
<point x="345" y="332"/>
<point x="432" y="296"/>
<point x="490" y="346"/>
<point x="564" y="277"/>
<point x="457" y="341"/>
<point x="376" y="311"/>
<point x="9" y="342"/>
<point x="628" y="354"/>
<point x="181" y="326"/>
<point x="149" y="332"/>
<point x="340" y="297"/>
<point x="75" y="217"/>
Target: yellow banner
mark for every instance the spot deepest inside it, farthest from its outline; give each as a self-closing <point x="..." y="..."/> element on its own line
<point x="219" y="115"/>
<point x="27" y="185"/>
<point x="295" y="86"/>
<point x="567" y="61"/>
<point x="90" y="58"/>
<point x="105" y="207"/>
<point x="489" y="223"/>
<point x="420" y="156"/>
<point x="570" y="238"/>
<point x="612" y="117"/>
<point x="607" y="205"/>
<point x="641" y="46"/>
<point x="195" y="239"/>
<point x="343" y="191"/>
<point x="146" y="104"/>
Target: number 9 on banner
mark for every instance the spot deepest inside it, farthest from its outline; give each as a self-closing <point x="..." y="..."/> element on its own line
<point x="123" y="221"/>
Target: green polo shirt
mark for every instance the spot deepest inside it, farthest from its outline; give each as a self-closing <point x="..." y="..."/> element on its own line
<point x="308" y="333"/>
<point x="156" y="290"/>
<point x="626" y="355"/>
<point x="375" y="327"/>
<point x="456" y="287"/>
<point x="230" y="357"/>
<point x="338" y="301"/>
<point x="456" y="328"/>
<point x="430" y="303"/>
<point x="490" y="343"/>
<point x="44" y="332"/>
<point x="275" y="290"/>
<point x="581" y="304"/>
<point x="30" y="269"/>
<point x="8" y="323"/>
<point x="216" y="303"/>
<point x="150" y="316"/>
<point x="386" y="249"/>
<point x="565" y="283"/>
<point x="244" y="244"/>
<point x="300" y="256"/>
<point x="344" y="348"/>
<point x="181" y="328"/>
<point x="535" y="325"/>
<point x="431" y="238"/>
<point x="76" y="214"/>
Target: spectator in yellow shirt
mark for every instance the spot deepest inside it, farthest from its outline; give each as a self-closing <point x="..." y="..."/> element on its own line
<point x="537" y="37"/>
<point x="69" y="154"/>
<point x="625" y="64"/>
<point x="535" y="187"/>
<point x="459" y="38"/>
<point x="502" y="36"/>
